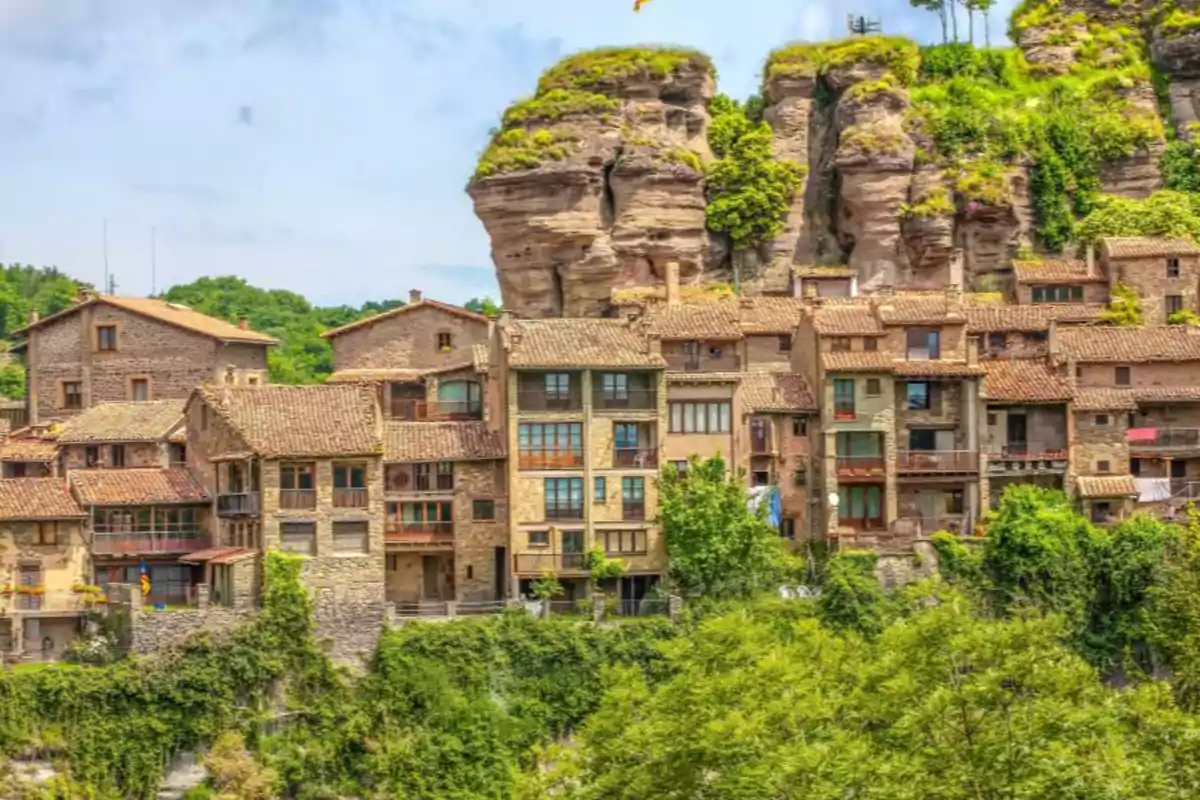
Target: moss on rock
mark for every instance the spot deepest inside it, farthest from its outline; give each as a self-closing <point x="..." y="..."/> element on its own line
<point x="517" y="149"/>
<point x="556" y="104"/>
<point x="898" y="55"/>
<point x="596" y="69"/>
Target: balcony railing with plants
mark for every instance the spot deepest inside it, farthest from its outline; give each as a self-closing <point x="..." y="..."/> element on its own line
<point x="851" y="466"/>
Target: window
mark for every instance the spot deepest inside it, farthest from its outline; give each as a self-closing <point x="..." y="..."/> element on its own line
<point x="799" y="478"/>
<point x="1056" y="294"/>
<point x="1078" y="372"/>
<point x="1135" y="467"/>
<point x="296" y="476"/>
<point x="299" y="537"/>
<point x="840" y="344"/>
<point x="997" y="341"/>
<point x="1172" y="267"/>
<point x="445" y="341"/>
<point x="854" y="444"/>
<point x="558" y="386"/>
<point x="787" y="528"/>
<point x="1101" y="419"/>
<point x="139" y="390"/>
<point x="860" y="505"/>
<point x="91" y="456"/>
<point x="445" y="476"/>
<point x="785" y="343"/>
<point x="1174" y="303"/>
<point x="483" y="510"/>
<point x="624" y="542"/>
<point x="1103" y="467"/>
<point x="1034" y="337"/>
<point x="106" y="338"/>
<point x="548" y="445"/>
<point x="874" y="387"/>
<point x="350" y="485"/>
<point x="700" y="417"/>
<point x="600" y="489"/>
<point x="799" y="426"/>
<point x="843" y="398"/>
<point x="922" y="439"/>
<point x="954" y="502"/>
<point x="923" y="344"/>
<point x="920" y="396"/>
<point x="760" y="478"/>
<point x="564" y="498"/>
<point x="1101" y="511"/>
<point x="614" y="387"/>
<point x="116" y="455"/>
<point x="72" y="395"/>
<point x="539" y="538"/>
<point x="870" y="344"/>
<point x="1121" y="376"/>
<point x="428" y="517"/>
<point x="681" y="467"/>
<point x="991" y="419"/>
<point x="633" y="498"/>
<point x="47" y="533"/>
<point x="252" y="380"/>
<point x="350" y="537"/>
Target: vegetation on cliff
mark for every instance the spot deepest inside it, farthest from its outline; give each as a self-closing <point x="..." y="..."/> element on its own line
<point x="897" y="56"/>
<point x="25" y="288"/>
<point x="604" y="69"/>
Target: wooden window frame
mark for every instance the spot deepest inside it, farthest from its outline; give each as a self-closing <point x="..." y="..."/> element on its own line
<point x="62" y="394"/>
<point x="47" y="541"/>
<point x="444" y="341"/>
<point x="476" y="506"/>
<point x="129" y="393"/>
<point x="116" y="343"/>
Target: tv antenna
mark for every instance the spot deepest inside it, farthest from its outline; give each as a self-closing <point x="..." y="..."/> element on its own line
<point x="861" y="26"/>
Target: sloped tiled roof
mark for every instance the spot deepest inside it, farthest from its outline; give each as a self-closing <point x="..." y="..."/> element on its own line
<point x="100" y="487"/>
<point x="913" y="308"/>
<point x="718" y="320"/>
<point x="444" y="441"/>
<point x="1024" y="380"/>
<point x="1106" y="486"/>
<point x="1167" y="394"/>
<point x="1131" y="345"/>
<point x="777" y="391"/>
<point x="857" y="361"/>
<point x="705" y="377"/>
<point x="1146" y="247"/>
<point x="1062" y="270"/>
<point x="481" y="355"/>
<point x="171" y="313"/>
<point x="292" y="421"/>
<point x="1005" y="318"/>
<point x="1102" y="399"/>
<point x="580" y="343"/>
<point x="765" y="315"/>
<point x="846" y="319"/>
<point x="374" y="375"/>
<point x="832" y="271"/>
<point x="28" y="450"/>
<point x="37" y="498"/>
<point x="445" y="308"/>
<point x="123" y="422"/>
<point x="933" y="369"/>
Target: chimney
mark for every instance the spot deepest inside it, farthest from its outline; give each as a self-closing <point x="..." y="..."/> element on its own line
<point x="414" y="296"/>
<point x="33" y="316"/>
<point x="672" y="280"/>
<point x="243" y="323"/>
<point x="1091" y="261"/>
<point x="973" y="351"/>
<point x="83" y="295"/>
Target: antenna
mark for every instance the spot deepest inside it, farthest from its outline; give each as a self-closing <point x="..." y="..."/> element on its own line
<point x="153" y="259"/>
<point x="861" y="26"/>
<point x="105" y="252"/>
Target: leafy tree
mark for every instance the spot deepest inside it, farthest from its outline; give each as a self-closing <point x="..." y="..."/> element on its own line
<point x="12" y="380"/>
<point x="547" y="587"/>
<point x="483" y="305"/>
<point x="938" y="7"/>
<point x="983" y="7"/>
<point x="1164" y="213"/>
<point x="717" y="546"/>
<point x="851" y="597"/>
<point x="1124" y="306"/>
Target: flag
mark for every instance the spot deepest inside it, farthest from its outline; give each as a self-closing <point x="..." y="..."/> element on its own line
<point x="144" y="580"/>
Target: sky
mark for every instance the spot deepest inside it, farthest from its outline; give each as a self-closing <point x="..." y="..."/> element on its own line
<point x="321" y="146"/>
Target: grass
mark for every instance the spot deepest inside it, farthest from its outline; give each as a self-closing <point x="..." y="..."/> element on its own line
<point x="900" y="56"/>
<point x="556" y="104"/>
<point x="518" y="149"/>
<point x="599" y="69"/>
<point x="1179" y="22"/>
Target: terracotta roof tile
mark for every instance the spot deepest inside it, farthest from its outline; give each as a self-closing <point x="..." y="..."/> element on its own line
<point x="481" y="356"/>
<point x="1146" y="247"/>
<point x="913" y="308"/>
<point x="28" y="450"/>
<point x="1024" y="380"/>
<point x="705" y="377"/>
<point x="375" y="375"/>
<point x="102" y="487"/>
<point x="1106" y="486"/>
<point x="1100" y="399"/>
<point x="1131" y="345"/>
<point x="778" y="391"/>
<point x="1166" y="394"/>
<point x="37" y="498"/>
<point x="846" y="319"/>
<point x="717" y="320"/>
<point x="171" y="313"/>
<point x="124" y="422"/>
<point x="825" y="272"/>
<point x="445" y="441"/>
<point x="932" y="369"/>
<point x="292" y="421"/>
<point x="857" y="361"/>
<point x="1064" y="270"/>
<point x="580" y="343"/>
<point x="219" y="555"/>
<point x="763" y="315"/>
<point x="1004" y="318"/>
<point x="446" y="308"/>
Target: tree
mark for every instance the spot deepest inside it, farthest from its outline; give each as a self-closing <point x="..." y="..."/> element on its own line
<point x="851" y="597"/>
<point x="717" y="546"/>
<point x="483" y="305"/>
<point x="12" y="380"/>
<point x="938" y="7"/>
<point x="984" y="7"/>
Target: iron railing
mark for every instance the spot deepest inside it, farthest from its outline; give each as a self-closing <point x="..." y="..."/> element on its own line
<point x="635" y="457"/>
<point x="235" y="503"/>
<point x="109" y="542"/>
<point x="937" y="461"/>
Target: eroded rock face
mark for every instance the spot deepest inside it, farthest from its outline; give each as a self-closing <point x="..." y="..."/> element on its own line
<point x="990" y="236"/>
<point x="626" y="200"/>
<point x="1178" y="57"/>
<point x="790" y="112"/>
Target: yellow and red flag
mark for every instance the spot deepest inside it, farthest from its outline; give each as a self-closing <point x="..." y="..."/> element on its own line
<point x="144" y="581"/>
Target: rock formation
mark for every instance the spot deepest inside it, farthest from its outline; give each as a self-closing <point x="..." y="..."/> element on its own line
<point x="1175" y="50"/>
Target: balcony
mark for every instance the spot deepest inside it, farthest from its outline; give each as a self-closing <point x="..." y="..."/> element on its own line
<point x="626" y="400"/>
<point x="1162" y="441"/>
<point x="108" y="542"/>
<point x="437" y="535"/>
<point x="436" y="410"/>
<point x="760" y="445"/>
<point x="297" y="499"/>
<point x="635" y="458"/>
<point x="238" y="504"/>
<point x="937" y="461"/>
<point x="536" y="563"/>
<point x="843" y="412"/>
<point x="633" y="510"/>
<point x="540" y="400"/>
<point x="550" y="459"/>
<point x="860" y="467"/>
<point x="1022" y="458"/>
<point x="726" y="362"/>
<point x="350" y="498"/>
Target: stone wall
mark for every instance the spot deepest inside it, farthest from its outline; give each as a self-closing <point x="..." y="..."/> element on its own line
<point x="475" y="541"/>
<point x="409" y="339"/>
<point x="1148" y="276"/>
<point x="1097" y="441"/>
<point x="137" y="454"/>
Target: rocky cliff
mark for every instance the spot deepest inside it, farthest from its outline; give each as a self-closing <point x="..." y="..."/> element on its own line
<point x="921" y="166"/>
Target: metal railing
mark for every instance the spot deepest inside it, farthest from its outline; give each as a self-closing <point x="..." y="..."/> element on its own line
<point x="534" y="563"/>
<point x="1185" y="489"/>
<point x="860" y="465"/>
<point x="635" y="457"/>
<point x="937" y="461"/>
<point x="645" y="399"/>
<point x="550" y="459"/>
<point x="1021" y="451"/>
<point x="730" y="362"/>
<point x="437" y="526"/>
<point x="448" y="608"/>
<point x="291" y="499"/>
<point x="238" y="503"/>
<point x="1163" y="439"/>
<point x="536" y="400"/>
<point x="436" y="410"/>
<point x="109" y="542"/>
<point x="350" y="498"/>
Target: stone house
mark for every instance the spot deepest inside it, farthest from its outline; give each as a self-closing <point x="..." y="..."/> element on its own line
<point x="297" y="468"/>
<point x="145" y="519"/>
<point x="124" y="435"/>
<point x="1060" y="281"/>
<point x="446" y="513"/>
<point x="1008" y="331"/>
<point x="824" y="281"/>
<point x="107" y="348"/>
<point x="43" y="558"/>
<point x="27" y="458"/>
<point x="1164" y="272"/>
<point x="586" y="406"/>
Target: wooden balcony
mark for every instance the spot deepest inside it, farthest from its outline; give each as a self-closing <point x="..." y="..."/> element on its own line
<point x="238" y="504"/>
<point x="297" y="499"/>
<point x="635" y="457"/>
<point x="550" y="459"/>
<point x="726" y="362"/>
<point x="940" y="462"/>
<point x="1162" y="441"/>
<point x="1022" y="458"/>
<point x="350" y="498"/>
<point x="851" y="467"/>
<point x="424" y="535"/>
<point x="108" y="542"/>
<point x="436" y="410"/>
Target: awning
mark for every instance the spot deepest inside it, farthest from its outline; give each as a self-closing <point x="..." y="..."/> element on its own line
<point x="218" y="555"/>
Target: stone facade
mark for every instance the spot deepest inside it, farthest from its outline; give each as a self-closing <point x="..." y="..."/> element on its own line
<point x="410" y="337"/>
<point x="49" y="557"/>
<point x="1157" y="280"/>
<point x="96" y="456"/>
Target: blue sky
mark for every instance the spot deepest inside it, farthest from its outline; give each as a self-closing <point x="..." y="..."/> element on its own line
<point x="316" y="145"/>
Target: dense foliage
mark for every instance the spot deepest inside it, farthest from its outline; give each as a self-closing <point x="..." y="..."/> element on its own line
<point x="25" y="288"/>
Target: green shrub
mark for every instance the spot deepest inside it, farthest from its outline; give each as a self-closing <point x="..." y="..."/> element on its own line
<point x="517" y="148"/>
<point x="900" y="56"/>
<point x="556" y="104"/>
<point x="1124" y="307"/>
<point x="595" y="69"/>
<point x="1179" y="22"/>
